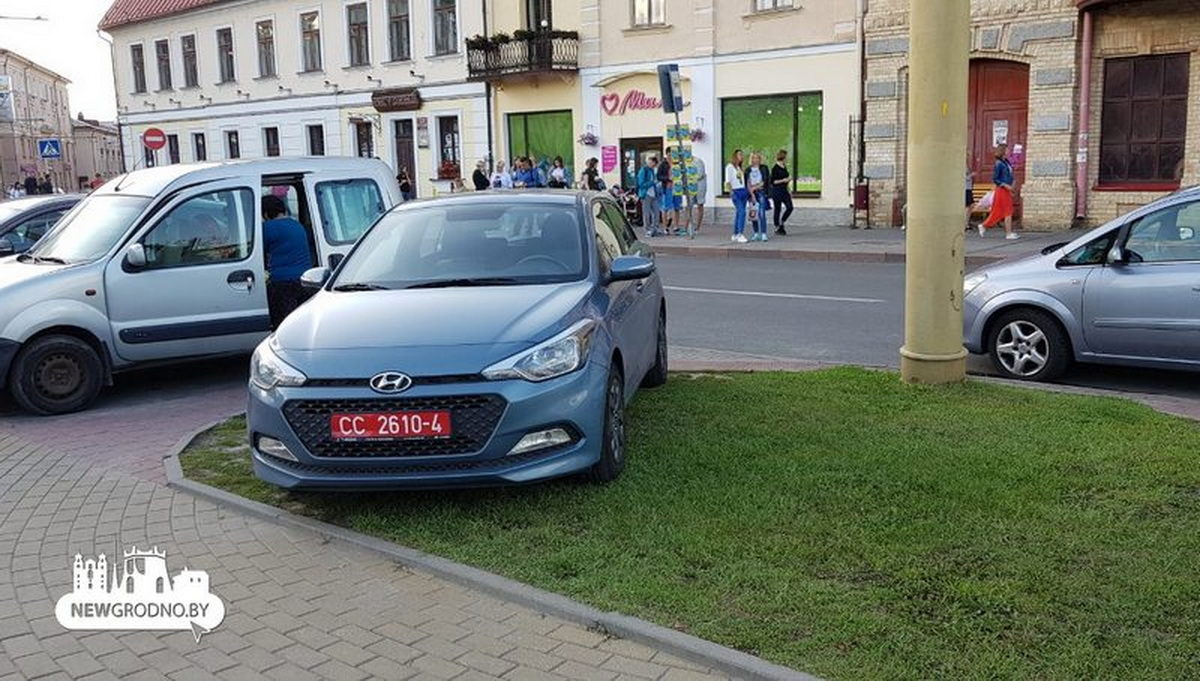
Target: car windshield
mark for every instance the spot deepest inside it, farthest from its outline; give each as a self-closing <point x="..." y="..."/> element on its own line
<point x="481" y="244"/>
<point x="90" y="230"/>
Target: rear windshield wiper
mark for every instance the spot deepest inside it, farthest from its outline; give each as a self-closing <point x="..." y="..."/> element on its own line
<point x="360" y="287"/>
<point x="455" y="283"/>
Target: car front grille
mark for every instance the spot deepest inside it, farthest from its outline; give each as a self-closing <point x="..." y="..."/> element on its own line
<point x="484" y="465"/>
<point x="473" y="418"/>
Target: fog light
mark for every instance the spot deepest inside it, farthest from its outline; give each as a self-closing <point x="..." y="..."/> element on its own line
<point x="541" y="440"/>
<point x="272" y="447"/>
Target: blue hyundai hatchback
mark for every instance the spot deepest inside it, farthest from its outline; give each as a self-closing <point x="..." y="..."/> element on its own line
<point x="471" y="340"/>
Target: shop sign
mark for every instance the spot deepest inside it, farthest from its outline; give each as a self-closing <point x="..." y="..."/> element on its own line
<point x="615" y="104"/>
<point x="397" y="99"/>
<point x="608" y="158"/>
<point x="423" y="132"/>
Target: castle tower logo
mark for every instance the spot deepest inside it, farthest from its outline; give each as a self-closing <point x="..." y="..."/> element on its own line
<point x="138" y="596"/>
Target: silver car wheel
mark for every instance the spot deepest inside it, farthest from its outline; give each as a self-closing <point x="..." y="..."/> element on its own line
<point x="1022" y="348"/>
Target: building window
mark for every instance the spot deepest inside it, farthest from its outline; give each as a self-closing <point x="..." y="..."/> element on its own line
<point x="448" y="144"/>
<point x="649" y="12"/>
<point x="162" y="54"/>
<point x="191" y="75"/>
<point x="445" y="27"/>
<point x="233" y="148"/>
<point x="399" y="46"/>
<point x="225" y="54"/>
<point x="792" y="123"/>
<point x="364" y="139"/>
<point x="542" y="136"/>
<point x="768" y="5"/>
<point x="266" y="48"/>
<point x="139" y="68"/>
<point x="199" y="146"/>
<point x="1144" y="120"/>
<point x="316" y="140"/>
<point x="310" y="41"/>
<point x="173" y="148"/>
<point x="271" y="141"/>
<point x="149" y="157"/>
<point x="358" y="34"/>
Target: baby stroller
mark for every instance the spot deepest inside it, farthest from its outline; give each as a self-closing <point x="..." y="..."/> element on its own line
<point x="629" y="202"/>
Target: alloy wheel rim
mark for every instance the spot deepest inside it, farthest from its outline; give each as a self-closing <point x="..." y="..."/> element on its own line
<point x="58" y="376"/>
<point x="1023" y="348"/>
<point x="616" y="415"/>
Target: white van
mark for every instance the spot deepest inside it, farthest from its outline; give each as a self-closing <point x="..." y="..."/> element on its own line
<point x="126" y="278"/>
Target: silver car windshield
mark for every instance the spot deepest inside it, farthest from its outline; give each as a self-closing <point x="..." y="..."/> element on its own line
<point x="90" y="230"/>
<point x="480" y="244"/>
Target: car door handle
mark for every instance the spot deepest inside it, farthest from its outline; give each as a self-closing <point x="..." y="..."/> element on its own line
<point x="641" y="284"/>
<point x="240" y="280"/>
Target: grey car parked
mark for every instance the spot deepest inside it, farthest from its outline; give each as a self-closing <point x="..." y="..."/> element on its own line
<point x="1126" y="293"/>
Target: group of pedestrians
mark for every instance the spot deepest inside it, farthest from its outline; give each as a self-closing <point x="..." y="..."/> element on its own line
<point x="662" y="203"/>
<point x="754" y="190"/>
<point x="32" y="186"/>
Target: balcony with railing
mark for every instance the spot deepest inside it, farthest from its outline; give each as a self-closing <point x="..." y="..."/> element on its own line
<point x="525" y="53"/>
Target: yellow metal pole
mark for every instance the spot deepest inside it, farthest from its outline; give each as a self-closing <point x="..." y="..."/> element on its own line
<point x="939" y="49"/>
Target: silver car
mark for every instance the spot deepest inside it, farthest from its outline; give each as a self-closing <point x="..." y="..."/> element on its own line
<point x="1126" y="293"/>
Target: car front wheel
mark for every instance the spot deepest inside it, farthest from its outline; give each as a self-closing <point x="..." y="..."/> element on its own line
<point x="56" y="375"/>
<point x="612" y="448"/>
<point x="1029" y="345"/>
<point x="658" y="373"/>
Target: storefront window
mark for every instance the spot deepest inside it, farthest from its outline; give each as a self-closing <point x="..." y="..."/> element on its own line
<point x="543" y="136"/>
<point x="767" y="124"/>
<point x="1144" y="121"/>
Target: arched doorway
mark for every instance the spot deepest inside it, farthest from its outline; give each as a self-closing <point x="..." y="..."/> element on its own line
<point x="998" y="111"/>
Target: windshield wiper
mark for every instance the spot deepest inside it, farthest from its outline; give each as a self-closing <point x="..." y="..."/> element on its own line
<point x="455" y="283"/>
<point x="36" y="259"/>
<point x="358" y="286"/>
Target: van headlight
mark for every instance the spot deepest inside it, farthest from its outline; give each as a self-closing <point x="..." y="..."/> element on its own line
<point x="267" y="370"/>
<point x="558" y="356"/>
<point x="973" y="282"/>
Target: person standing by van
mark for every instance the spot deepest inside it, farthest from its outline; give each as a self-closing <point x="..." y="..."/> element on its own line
<point x="781" y="195"/>
<point x="648" y="191"/>
<point x="288" y="256"/>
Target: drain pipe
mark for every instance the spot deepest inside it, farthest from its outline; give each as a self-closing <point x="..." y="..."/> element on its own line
<point x="1085" y="119"/>
<point x="487" y="97"/>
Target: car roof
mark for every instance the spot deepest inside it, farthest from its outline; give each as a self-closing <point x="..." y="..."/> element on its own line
<point x="31" y="202"/>
<point x="151" y="182"/>
<point x="566" y="197"/>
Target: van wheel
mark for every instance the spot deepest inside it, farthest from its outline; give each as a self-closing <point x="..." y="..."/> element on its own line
<point x="56" y="375"/>
<point x="1029" y="345"/>
<point x="612" y="446"/>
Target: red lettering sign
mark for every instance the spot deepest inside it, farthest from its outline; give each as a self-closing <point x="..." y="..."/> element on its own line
<point x="636" y="100"/>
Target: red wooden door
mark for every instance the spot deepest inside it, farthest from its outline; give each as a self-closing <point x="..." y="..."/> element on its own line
<point x="998" y="110"/>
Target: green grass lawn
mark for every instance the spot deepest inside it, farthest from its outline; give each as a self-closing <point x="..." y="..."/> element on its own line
<point x="849" y="526"/>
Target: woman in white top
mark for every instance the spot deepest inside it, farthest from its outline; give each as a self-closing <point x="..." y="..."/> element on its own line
<point x="735" y="181"/>
<point x="558" y="174"/>
<point x="501" y="179"/>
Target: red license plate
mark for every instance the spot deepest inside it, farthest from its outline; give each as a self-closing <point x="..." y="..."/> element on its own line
<point x="393" y="425"/>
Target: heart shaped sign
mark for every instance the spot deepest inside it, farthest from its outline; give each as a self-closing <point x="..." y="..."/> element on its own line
<point x="610" y="102"/>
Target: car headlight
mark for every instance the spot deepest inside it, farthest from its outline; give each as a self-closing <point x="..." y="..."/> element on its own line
<point x="560" y="355"/>
<point x="267" y="370"/>
<point x="973" y="282"/>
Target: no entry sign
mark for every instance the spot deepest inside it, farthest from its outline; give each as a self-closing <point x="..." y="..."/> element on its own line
<point x="154" y="139"/>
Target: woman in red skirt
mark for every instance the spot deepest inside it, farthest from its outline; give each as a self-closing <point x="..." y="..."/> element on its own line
<point x="1002" y="197"/>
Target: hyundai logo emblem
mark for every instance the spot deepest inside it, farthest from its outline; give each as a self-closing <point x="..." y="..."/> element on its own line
<point x="390" y="382"/>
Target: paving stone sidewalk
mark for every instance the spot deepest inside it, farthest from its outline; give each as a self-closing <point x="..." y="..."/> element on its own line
<point x="298" y="606"/>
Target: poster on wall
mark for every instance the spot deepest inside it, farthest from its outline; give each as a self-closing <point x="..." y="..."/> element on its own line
<point x="999" y="133"/>
<point x="683" y="133"/>
<point x="609" y="156"/>
<point x="423" y="132"/>
<point x="681" y="157"/>
<point x="6" y="100"/>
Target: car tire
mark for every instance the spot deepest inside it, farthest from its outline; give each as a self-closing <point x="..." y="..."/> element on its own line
<point x="1029" y="345"/>
<point x="56" y="375"/>
<point x="612" y="445"/>
<point x="658" y="373"/>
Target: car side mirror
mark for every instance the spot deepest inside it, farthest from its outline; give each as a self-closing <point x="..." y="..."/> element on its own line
<point x="336" y="259"/>
<point x="314" y="278"/>
<point x="1118" y="256"/>
<point x="135" y="256"/>
<point x="630" y="267"/>
<point x="6" y="247"/>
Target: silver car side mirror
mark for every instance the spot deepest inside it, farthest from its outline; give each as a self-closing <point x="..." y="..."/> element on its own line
<point x="135" y="256"/>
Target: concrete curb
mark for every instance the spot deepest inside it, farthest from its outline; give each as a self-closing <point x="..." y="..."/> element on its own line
<point x="809" y="256"/>
<point x="690" y="648"/>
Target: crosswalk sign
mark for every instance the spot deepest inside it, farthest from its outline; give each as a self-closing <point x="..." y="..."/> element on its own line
<point x="50" y="148"/>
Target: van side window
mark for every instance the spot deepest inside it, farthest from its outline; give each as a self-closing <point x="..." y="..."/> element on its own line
<point x="209" y="228"/>
<point x="348" y="208"/>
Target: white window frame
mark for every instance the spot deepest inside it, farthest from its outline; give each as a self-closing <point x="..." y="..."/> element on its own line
<point x="776" y="5"/>
<point x="458" y="48"/>
<point x="274" y="45"/>
<point x="183" y="62"/>
<point x="170" y="65"/>
<point x="387" y="31"/>
<point x="308" y="125"/>
<point x="265" y="146"/>
<point x="346" y="5"/>
<point x="192" y="147"/>
<point x="436" y="140"/>
<point x="216" y="31"/>
<point x="133" y="74"/>
<point x="225" y="144"/>
<point x="321" y="36"/>
<point x="650" y="10"/>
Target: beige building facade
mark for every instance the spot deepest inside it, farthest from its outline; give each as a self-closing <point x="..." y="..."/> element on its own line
<point x="1034" y="66"/>
<point x="33" y="108"/>
<point x="97" y="150"/>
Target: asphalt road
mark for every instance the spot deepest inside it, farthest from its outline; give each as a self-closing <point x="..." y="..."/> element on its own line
<point x="841" y="313"/>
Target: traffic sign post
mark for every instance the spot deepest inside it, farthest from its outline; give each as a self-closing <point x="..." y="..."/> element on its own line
<point x="672" y="99"/>
<point x="50" y="148"/>
<point x="154" y="139"/>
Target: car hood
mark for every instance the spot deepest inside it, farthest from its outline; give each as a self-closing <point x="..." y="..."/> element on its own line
<point x="13" y="271"/>
<point x="454" y="330"/>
